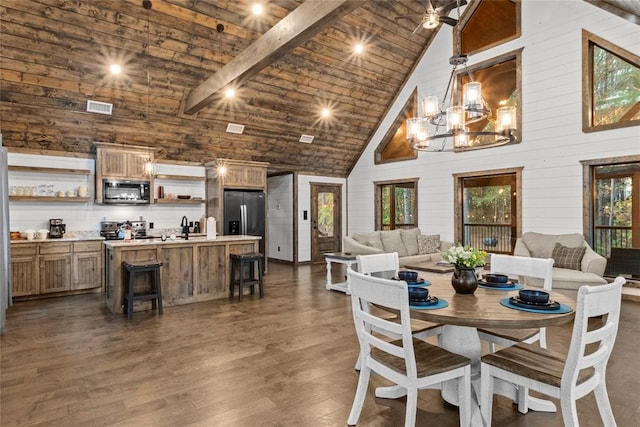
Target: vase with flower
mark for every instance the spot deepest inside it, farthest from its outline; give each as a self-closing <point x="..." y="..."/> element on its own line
<point x="465" y="259"/>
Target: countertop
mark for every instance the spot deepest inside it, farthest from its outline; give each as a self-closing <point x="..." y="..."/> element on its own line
<point x="192" y="239"/>
<point x="61" y="240"/>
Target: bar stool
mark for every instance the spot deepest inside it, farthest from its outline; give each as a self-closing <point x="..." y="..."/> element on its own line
<point x="238" y="264"/>
<point x="153" y="293"/>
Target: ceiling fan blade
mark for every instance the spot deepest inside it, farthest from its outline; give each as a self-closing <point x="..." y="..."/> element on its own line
<point x="447" y="20"/>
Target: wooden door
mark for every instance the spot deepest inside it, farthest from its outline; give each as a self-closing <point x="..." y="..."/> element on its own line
<point x="326" y="214"/>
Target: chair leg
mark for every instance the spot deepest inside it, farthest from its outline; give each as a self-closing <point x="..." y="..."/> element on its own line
<point x="464" y="397"/>
<point x="569" y="411"/>
<point x="358" y="400"/>
<point x="604" y="405"/>
<point x="159" y="290"/>
<point x="523" y="399"/>
<point x="486" y="392"/>
<point x="412" y="407"/>
<point x="130" y="292"/>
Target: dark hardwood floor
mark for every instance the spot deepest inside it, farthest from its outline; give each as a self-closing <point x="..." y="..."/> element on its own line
<point x="285" y="360"/>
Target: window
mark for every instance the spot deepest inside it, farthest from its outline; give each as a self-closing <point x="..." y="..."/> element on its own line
<point x="610" y="85"/>
<point x="396" y="204"/>
<point x="488" y="209"/>
<point x="486" y="24"/>
<point x="394" y="145"/>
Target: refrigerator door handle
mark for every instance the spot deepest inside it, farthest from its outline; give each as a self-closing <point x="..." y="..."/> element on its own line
<point x="243" y="217"/>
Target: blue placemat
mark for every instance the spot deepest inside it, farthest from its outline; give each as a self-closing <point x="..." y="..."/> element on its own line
<point x="563" y="308"/>
<point x="440" y="304"/>
<point x="515" y="287"/>
<point x="418" y="284"/>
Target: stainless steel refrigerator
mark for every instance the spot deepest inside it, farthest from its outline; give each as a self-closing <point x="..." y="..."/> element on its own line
<point x="5" y="246"/>
<point x="244" y="213"/>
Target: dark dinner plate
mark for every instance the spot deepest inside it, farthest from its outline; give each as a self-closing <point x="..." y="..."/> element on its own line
<point x="508" y="284"/>
<point x="431" y="300"/>
<point x="551" y="305"/>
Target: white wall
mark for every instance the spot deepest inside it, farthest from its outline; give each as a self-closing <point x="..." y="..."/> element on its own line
<point x="83" y="217"/>
<point x="552" y="139"/>
<point x="280" y="217"/>
<point x="304" y="204"/>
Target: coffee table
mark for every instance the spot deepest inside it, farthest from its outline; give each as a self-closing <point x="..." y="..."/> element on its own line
<point x="345" y="258"/>
<point x="430" y="266"/>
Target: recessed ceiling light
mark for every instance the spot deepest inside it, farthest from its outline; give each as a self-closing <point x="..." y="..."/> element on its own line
<point x="359" y="48"/>
<point x="229" y="93"/>
<point x="257" y="9"/>
<point x="326" y="112"/>
<point x="115" y="69"/>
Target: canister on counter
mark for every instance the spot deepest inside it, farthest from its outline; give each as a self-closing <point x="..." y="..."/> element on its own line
<point x="160" y="191"/>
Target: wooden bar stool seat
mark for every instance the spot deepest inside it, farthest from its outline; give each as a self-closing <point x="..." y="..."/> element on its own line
<point x="153" y="293"/>
<point x="241" y="262"/>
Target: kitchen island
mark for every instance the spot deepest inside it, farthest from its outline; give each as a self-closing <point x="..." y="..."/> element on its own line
<point x="193" y="270"/>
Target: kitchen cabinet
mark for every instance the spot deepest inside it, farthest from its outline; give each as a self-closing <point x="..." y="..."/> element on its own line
<point x="121" y="162"/>
<point x="24" y="270"/>
<point x="41" y="172"/>
<point x="56" y="267"/>
<point x="87" y="265"/>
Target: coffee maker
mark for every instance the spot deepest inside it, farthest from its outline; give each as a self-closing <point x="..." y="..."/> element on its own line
<point x="56" y="228"/>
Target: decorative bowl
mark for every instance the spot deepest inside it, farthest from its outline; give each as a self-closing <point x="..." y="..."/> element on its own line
<point x="534" y="296"/>
<point x="408" y="275"/>
<point x="418" y="293"/>
<point x="183" y="197"/>
<point x="496" y="278"/>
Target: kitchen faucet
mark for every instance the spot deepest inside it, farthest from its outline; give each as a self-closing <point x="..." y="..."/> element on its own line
<point x="185" y="227"/>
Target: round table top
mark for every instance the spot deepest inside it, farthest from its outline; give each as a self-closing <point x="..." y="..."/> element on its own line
<point x="483" y="309"/>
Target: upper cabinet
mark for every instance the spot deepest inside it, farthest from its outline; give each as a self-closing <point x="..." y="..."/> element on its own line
<point x="121" y="162"/>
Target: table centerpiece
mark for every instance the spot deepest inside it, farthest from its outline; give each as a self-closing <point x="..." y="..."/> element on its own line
<point x="465" y="259"/>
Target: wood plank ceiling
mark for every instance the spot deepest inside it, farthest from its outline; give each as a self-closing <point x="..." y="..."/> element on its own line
<point x="56" y="53"/>
<point x="55" y="56"/>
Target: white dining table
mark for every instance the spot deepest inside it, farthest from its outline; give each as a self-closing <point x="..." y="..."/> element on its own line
<point x="462" y="318"/>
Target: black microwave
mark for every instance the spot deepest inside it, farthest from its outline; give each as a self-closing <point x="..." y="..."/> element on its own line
<point x="126" y="192"/>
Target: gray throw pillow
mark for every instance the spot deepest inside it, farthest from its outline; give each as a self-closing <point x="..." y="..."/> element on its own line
<point x="428" y="244"/>
<point x="564" y="257"/>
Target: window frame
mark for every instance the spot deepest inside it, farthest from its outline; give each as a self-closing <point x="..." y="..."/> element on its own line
<point x="588" y="41"/>
<point x="378" y="185"/>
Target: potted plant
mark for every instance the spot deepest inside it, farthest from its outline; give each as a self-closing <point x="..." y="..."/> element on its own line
<point x="465" y="259"/>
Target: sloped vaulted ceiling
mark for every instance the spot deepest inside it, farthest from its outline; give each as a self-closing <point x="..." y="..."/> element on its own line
<point x="55" y="55"/>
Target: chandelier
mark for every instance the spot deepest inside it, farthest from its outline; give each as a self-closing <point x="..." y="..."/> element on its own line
<point x="450" y="121"/>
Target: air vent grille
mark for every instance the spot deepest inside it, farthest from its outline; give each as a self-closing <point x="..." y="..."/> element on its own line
<point x="99" y="107"/>
<point x="235" y="128"/>
<point x="307" y="139"/>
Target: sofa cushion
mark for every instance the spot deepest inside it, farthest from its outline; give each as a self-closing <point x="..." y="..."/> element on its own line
<point x="428" y="244"/>
<point x="392" y="242"/>
<point x="563" y="278"/>
<point x="565" y="257"/>
<point x="541" y="245"/>
<point x="368" y="239"/>
<point x="410" y="240"/>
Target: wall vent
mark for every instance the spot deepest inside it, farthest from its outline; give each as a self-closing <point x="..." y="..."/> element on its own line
<point x="307" y="139"/>
<point x="99" y="107"/>
<point x="235" y="128"/>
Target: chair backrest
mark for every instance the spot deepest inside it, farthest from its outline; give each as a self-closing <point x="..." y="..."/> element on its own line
<point x="593" y="301"/>
<point x="384" y="265"/>
<point x="376" y="331"/>
<point x="540" y="268"/>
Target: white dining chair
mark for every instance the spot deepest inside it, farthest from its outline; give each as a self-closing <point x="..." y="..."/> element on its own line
<point x="567" y="377"/>
<point x="409" y="362"/>
<point x="541" y="268"/>
<point x="386" y="265"/>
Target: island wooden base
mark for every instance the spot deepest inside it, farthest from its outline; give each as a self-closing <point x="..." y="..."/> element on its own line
<point x="192" y="270"/>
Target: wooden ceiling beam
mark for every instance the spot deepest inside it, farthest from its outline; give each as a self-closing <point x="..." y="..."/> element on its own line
<point x="296" y="28"/>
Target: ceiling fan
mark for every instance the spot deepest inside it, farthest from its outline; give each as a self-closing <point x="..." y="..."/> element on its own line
<point x="432" y="17"/>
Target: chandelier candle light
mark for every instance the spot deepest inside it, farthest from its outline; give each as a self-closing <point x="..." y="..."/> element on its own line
<point x="422" y="130"/>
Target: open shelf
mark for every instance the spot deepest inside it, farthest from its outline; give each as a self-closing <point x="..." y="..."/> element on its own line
<point x="49" y="170"/>
<point x="49" y="199"/>
<point x="179" y="201"/>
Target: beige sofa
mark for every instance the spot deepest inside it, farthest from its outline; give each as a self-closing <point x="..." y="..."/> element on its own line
<point x="591" y="266"/>
<point x="412" y="246"/>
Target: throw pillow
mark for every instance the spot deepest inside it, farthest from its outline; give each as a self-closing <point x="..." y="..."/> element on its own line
<point x="565" y="257"/>
<point x="410" y="240"/>
<point x="392" y="242"/>
<point x="428" y="244"/>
